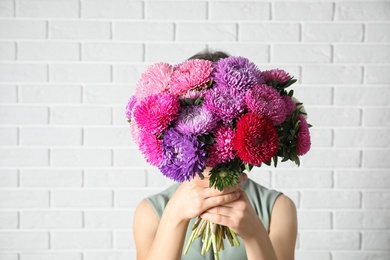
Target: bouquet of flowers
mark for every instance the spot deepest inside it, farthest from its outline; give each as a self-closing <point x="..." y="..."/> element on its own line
<point x="227" y="115"/>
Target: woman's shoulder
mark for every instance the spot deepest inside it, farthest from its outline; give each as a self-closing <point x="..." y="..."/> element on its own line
<point x="159" y="200"/>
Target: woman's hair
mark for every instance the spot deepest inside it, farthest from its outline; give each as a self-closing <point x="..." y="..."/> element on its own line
<point x="210" y="55"/>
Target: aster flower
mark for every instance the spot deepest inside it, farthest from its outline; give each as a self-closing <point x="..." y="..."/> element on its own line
<point x="276" y="75"/>
<point x="225" y="103"/>
<point x="150" y="146"/>
<point x="256" y="139"/>
<point x="289" y="105"/>
<point x="195" y="120"/>
<point x="135" y="131"/>
<point x="237" y="72"/>
<point x="154" y="80"/>
<point x="193" y="94"/>
<point x="156" y="112"/>
<point x="303" y="136"/>
<point x="221" y="151"/>
<point x="130" y="106"/>
<point x="190" y="74"/>
<point x="183" y="156"/>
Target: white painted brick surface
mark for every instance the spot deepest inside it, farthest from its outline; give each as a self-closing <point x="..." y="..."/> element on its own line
<point x="70" y="175"/>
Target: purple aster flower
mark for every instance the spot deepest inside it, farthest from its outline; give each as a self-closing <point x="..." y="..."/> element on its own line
<point x="225" y="103"/>
<point x="264" y="100"/>
<point x="237" y="72"/>
<point x="183" y="156"/>
<point x="196" y="120"/>
<point x="130" y="106"/>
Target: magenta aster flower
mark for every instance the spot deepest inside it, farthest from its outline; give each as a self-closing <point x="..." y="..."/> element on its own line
<point x="156" y="112"/>
<point x="190" y="74"/>
<point x="154" y="80"/>
<point x="237" y="72"/>
<point x="150" y="146"/>
<point x="289" y="105"/>
<point x="183" y="156"/>
<point x="221" y="151"/>
<point x="277" y="75"/>
<point x="225" y="103"/>
<point x="303" y="136"/>
<point x="264" y="100"/>
<point x="130" y="106"/>
<point x="196" y="120"/>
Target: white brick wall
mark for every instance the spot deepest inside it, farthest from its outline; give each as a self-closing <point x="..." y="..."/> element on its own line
<point x="70" y="175"/>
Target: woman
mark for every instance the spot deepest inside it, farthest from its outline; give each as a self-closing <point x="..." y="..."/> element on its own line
<point x="265" y="220"/>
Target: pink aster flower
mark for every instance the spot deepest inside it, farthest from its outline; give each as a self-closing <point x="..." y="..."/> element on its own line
<point x="276" y="74"/>
<point x="221" y="151"/>
<point x="129" y="107"/>
<point x="154" y="80"/>
<point x="303" y="136"/>
<point x="193" y="94"/>
<point x="289" y="104"/>
<point x="264" y="100"/>
<point x="195" y="120"/>
<point x="156" y="112"/>
<point x="150" y="146"/>
<point x="190" y="74"/>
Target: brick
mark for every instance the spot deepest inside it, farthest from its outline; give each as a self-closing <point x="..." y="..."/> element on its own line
<point x="108" y="136"/>
<point x="321" y="137"/>
<point x="81" y="240"/>
<point x="377" y="74"/>
<point x="377" y="32"/>
<point x="376" y="117"/>
<point x="80" y="73"/>
<point x="334" y="116"/>
<point x="302" y="179"/>
<point x="376" y="199"/>
<point x="332" y="32"/>
<point x="50" y="256"/>
<point x="9" y="256"/>
<point x="357" y="53"/>
<point x="362" y="96"/>
<point x="107" y="94"/>
<point x="8" y="136"/>
<point x="156" y="179"/>
<point x="188" y="10"/>
<point x="376" y="158"/>
<point x="144" y="31"/>
<point x="7" y="51"/>
<point x="118" y="219"/>
<point x="255" y="52"/>
<point x="42" y="8"/>
<point x="135" y="177"/>
<point x="237" y="10"/>
<point x="80" y="157"/>
<point x="19" y="29"/>
<point x="131" y="198"/>
<point x="9" y="178"/>
<point x="24" y="199"/>
<point x="23" y="72"/>
<point x="212" y="31"/>
<point x="46" y="94"/>
<point x="317" y="95"/>
<point x="331" y="240"/>
<point x="366" y="137"/>
<point x="7" y="10"/>
<point x="325" y="158"/>
<point x="305" y="11"/>
<point x="362" y="178"/>
<point x="52" y="51"/>
<point x="360" y="255"/>
<point x="309" y="255"/>
<point x="51" y="219"/>
<point x="258" y="174"/>
<point x="113" y="52"/>
<point x="80" y="115"/>
<point x="124" y="240"/>
<point x="302" y="53"/>
<point x="24" y="240"/>
<point x="8" y="94"/>
<point x="314" y="220"/>
<point x="171" y="52"/>
<point x="331" y="199"/>
<point x="269" y="32"/>
<point x="23" y="115"/>
<point x="362" y="220"/>
<point x="43" y="136"/>
<point x="24" y="157"/>
<point x="79" y="30"/>
<point x="367" y="11"/>
<point x="112" y="10"/>
<point x="332" y="74"/>
<point x="51" y="178"/>
<point x="376" y="240"/>
<point x="9" y="220"/>
<point x="129" y="157"/>
<point x="109" y="255"/>
<point x="82" y="199"/>
<point x="128" y="73"/>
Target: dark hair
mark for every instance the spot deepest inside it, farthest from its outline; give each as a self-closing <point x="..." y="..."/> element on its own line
<point x="210" y="55"/>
